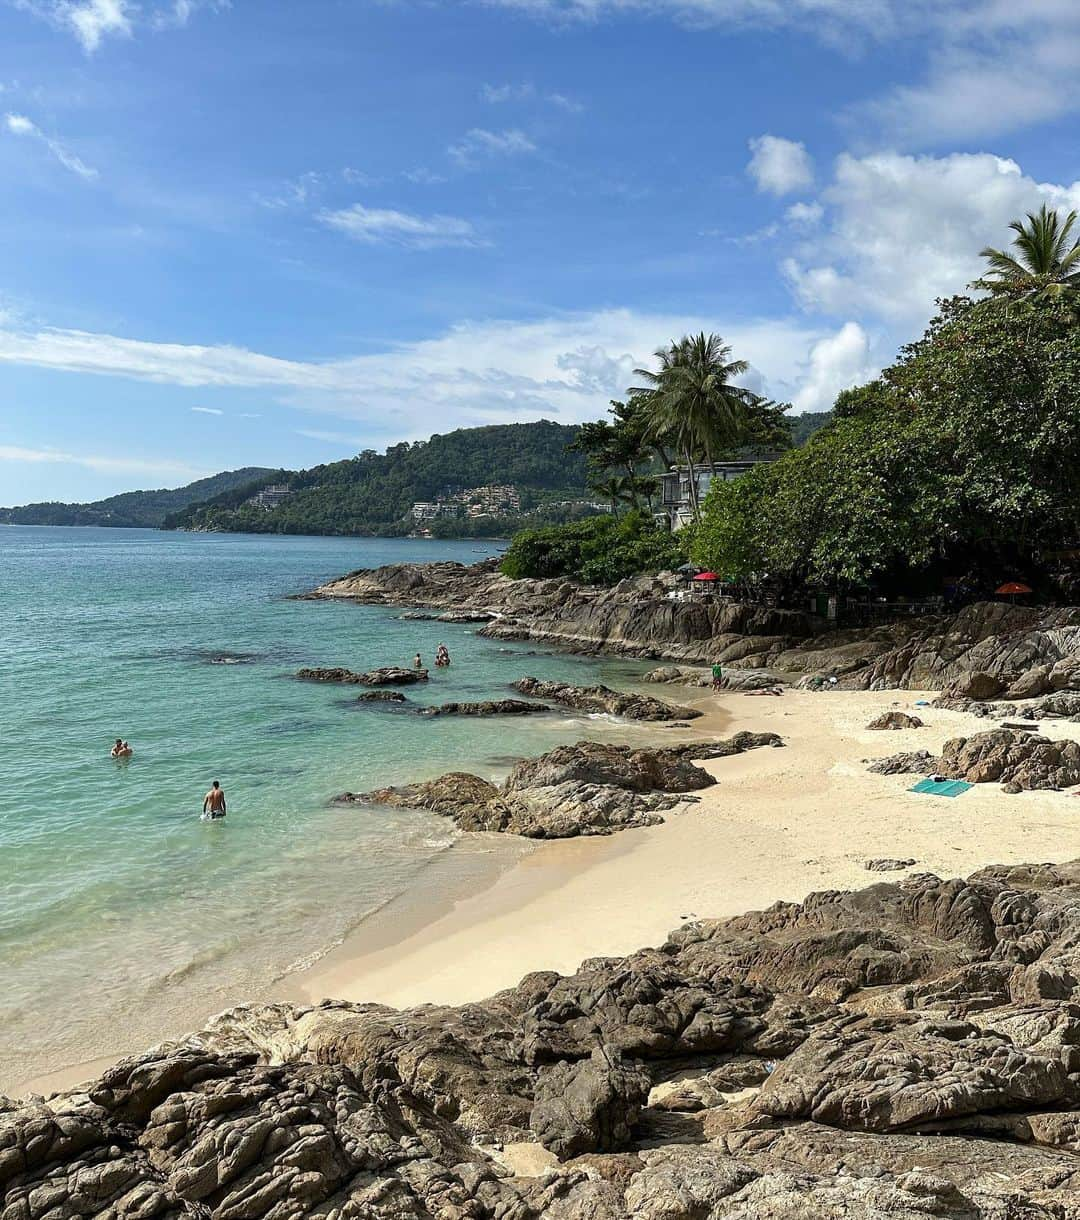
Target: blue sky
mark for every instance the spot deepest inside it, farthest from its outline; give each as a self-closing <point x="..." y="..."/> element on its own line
<point x="275" y="233"/>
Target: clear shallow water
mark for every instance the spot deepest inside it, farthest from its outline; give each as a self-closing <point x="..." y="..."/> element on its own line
<point x="119" y="909"/>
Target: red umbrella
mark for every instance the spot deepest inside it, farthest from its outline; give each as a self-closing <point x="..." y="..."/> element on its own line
<point x="1012" y="588"/>
<point x="706" y="576"/>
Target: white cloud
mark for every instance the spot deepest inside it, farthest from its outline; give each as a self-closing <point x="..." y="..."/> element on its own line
<point x="526" y="91"/>
<point x="901" y="231"/>
<point x="477" y="372"/>
<point x="165" y="467"/>
<point x="804" y="215"/>
<point x="298" y="191"/>
<point x="479" y="143"/>
<point x="94" y="20"/>
<point x="385" y="226"/>
<point x="836" y="363"/>
<point x="207" y="411"/>
<point x="422" y="176"/>
<point x="20" y="125"/>
<point x="780" y="166"/>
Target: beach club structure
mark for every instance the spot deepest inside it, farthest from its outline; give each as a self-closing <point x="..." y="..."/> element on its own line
<point x="675" y="498"/>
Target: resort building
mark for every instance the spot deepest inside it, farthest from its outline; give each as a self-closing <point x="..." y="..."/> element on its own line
<point x="272" y="496"/>
<point x="675" y="488"/>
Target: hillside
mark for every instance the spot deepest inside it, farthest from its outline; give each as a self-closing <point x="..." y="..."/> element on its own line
<point x="133" y="509"/>
<point x="372" y="493"/>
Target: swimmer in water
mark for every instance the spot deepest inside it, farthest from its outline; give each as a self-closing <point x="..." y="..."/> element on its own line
<point x="121" y="749"/>
<point x="214" y="801"/>
<point x="418" y="662"/>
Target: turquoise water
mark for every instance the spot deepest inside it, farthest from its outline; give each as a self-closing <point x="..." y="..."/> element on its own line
<point x="120" y="911"/>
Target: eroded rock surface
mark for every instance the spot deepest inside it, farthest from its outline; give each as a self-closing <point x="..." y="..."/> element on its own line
<point x="591" y="788"/>
<point x="604" y="699"/>
<point x="487" y="707"/>
<point x="895" y="720"/>
<point x="906" y="1051"/>
<point x="390" y="675"/>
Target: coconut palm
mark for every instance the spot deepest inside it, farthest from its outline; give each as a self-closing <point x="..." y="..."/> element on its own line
<point x="691" y="403"/>
<point x="1047" y="259"/>
<point x="615" y="489"/>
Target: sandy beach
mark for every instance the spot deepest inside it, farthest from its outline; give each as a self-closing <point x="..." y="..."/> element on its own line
<point x="779" y="824"/>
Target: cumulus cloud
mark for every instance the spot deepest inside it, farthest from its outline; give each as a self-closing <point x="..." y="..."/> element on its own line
<point x="477" y="372"/>
<point x="836" y="363"/>
<point x="385" y="226"/>
<point x="20" y="125"/>
<point x="479" y="143"/>
<point x="780" y="166"/>
<point x="901" y="231"/>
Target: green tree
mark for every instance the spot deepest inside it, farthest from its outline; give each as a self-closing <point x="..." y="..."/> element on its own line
<point x="1046" y="262"/>
<point x="691" y="403"/>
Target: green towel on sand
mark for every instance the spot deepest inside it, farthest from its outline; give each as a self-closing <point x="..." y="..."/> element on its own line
<point x="944" y="787"/>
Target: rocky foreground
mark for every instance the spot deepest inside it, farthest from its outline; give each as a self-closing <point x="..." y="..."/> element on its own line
<point x="908" y="1051"/>
<point x="590" y="788"/>
<point x="1023" y="651"/>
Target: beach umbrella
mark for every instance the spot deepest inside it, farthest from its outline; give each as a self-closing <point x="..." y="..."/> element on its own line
<point x="706" y="576"/>
<point x="1012" y="588"/>
<point x="687" y="570"/>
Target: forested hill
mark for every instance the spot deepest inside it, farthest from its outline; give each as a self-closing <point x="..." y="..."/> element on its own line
<point x="131" y="509"/>
<point x="372" y="493"/>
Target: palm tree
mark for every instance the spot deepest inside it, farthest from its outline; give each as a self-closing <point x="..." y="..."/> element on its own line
<point x="614" y="489"/>
<point x="691" y="402"/>
<point x="1045" y="262"/>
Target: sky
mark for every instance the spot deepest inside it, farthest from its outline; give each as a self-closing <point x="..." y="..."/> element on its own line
<point x="275" y="233"/>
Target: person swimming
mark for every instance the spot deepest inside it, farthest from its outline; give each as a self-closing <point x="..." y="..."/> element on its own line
<point x="213" y="805"/>
<point x="442" y="657"/>
<point x="121" y="749"/>
<point x="418" y="662"/>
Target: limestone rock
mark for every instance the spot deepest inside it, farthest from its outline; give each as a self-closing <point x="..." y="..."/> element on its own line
<point x="889" y="865"/>
<point x="381" y="696"/>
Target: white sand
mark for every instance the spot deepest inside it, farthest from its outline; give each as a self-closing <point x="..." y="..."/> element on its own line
<point x="779" y="824"/>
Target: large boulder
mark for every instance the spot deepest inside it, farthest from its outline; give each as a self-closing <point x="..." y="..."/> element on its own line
<point x="978" y="685"/>
<point x="487" y="707"/>
<point x="588" y="1106"/>
<point x="1009" y="756"/>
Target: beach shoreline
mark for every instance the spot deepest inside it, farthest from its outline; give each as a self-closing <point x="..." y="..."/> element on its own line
<point x="779" y="824"/>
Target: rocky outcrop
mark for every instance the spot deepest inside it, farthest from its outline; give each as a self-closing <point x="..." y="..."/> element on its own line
<point x="904" y="1052"/>
<point x="1020" y="760"/>
<point x="391" y="675"/>
<point x="381" y="696"/>
<point x="1005" y="756"/>
<point x="908" y="762"/>
<point x="636" y="617"/>
<point x="889" y="865"/>
<point x="895" y="721"/>
<point x="590" y="788"/>
<point x="487" y="707"/>
<point x="604" y="699"/>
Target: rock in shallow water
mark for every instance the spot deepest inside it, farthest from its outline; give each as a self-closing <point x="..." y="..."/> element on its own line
<point x="590" y="788"/>
<point x="604" y="699"/>
<point x="390" y="675"/>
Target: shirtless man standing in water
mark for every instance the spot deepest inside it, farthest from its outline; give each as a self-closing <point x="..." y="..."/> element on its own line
<point x="214" y="801"/>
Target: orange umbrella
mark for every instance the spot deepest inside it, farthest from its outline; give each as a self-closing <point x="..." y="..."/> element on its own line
<point x="706" y="576"/>
<point x="1012" y="588"/>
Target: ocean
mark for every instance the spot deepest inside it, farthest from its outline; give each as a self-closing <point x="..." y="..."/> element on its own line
<point x="122" y="914"/>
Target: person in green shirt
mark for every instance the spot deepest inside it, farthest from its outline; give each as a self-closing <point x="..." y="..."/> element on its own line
<point x="717" y="676"/>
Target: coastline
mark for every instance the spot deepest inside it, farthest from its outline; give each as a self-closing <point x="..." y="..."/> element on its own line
<point x="779" y="825"/>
